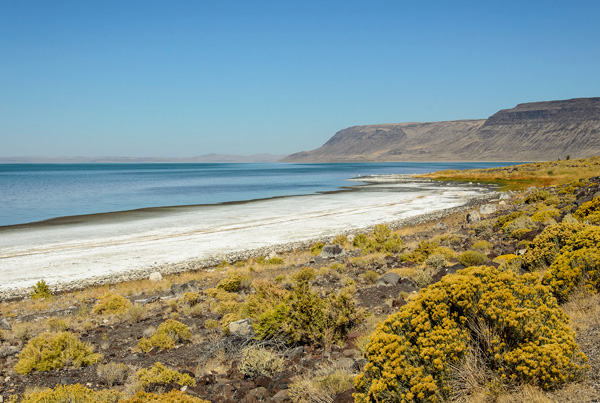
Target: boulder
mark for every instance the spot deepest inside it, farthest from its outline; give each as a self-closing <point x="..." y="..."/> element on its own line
<point x="473" y="216"/>
<point x="179" y="289"/>
<point x="486" y="209"/>
<point x="388" y="279"/>
<point x="155" y="277"/>
<point x="4" y="325"/>
<point x="332" y="251"/>
<point x="282" y="396"/>
<point x="242" y="328"/>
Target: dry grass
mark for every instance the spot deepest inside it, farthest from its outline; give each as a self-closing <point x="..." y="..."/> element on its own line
<point x="549" y="173"/>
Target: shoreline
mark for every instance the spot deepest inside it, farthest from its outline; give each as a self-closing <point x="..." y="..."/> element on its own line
<point x="242" y="254"/>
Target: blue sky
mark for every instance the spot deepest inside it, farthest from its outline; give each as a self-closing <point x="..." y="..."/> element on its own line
<point x="185" y="78"/>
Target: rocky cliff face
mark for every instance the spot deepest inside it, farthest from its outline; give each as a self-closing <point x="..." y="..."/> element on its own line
<point x="528" y="132"/>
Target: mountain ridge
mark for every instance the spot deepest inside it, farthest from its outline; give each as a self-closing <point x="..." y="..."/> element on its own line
<point x="532" y="131"/>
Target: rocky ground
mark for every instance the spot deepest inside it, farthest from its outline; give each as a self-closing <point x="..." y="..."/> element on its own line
<point x="214" y="359"/>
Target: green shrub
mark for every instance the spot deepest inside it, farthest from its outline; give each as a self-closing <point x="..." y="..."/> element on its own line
<point x="382" y="240"/>
<point x="503" y="220"/>
<point x="448" y="253"/>
<point x="111" y="303"/>
<point x="360" y="241"/>
<point x="72" y="394"/>
<point x="578" y="262"/>
<point x="513" y="321"/>
<point x="302" y="316"/>
<point x="305" y="274"/>
<point x="50" y="351"/>
<point x="423" y="250"/>
<point x="544" y="247"/>
<point x="472" y="258"/>
<point x="174" y="396"/>
<point x="258" y="361"/>
<point x="41" y="290"/>
<point x="517" y="227"/>
<point x="157" y="375"/>
<point x="166" y="336"/>
<point x="437" y="261"/>
<point x="275" y="261"/>
<point x="234" y="283"/>
<point x="316" y="249"/>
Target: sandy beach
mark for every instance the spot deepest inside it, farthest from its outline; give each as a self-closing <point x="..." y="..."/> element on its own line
<point x="114" y="247"/>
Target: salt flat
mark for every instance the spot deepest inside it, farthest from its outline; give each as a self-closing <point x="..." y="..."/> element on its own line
<point x="130" y="241"/>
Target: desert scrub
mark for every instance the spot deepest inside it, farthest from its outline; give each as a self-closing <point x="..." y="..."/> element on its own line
<point x="112" y="373"/>
<point x="150" y="379"/>
<point x="322" y="385"/>
<point x="316" y="249"/>
<point x="370" y="276"/>
<point x="50" y="351"/>
<point x="166" y="336"/>
<point x="341" y="240"/>
<point x="302" y="316"/>
<point x="71" y="394"/>
<point x="235" y="283"/>
<point x="578" y="262"/>
<point x="190" y="299"/>
<point x="505" y="219"/>
<point x="517" y="227"/>
<point x="538" y="196"/>
<point x="544" y="247"/>
<point x="40" y="291"/>
<point x="589" y="211"/>
<point x="545" y="215"/>
<point x="111" y="303"/>
<point x="472" y="258"/>
<point x="258" y="361"/>
<point x="422" y="251"/>
<point x="382" y="240"/>
<point x="482" y="246"/>
<point x="360" y="241"/>
<point x="525" y="339"/>
<point x="174" y="396"/>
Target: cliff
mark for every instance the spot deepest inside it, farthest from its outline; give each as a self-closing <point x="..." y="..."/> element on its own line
<point x="528" y="132"/>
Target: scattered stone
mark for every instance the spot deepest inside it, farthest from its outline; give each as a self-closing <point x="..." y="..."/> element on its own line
<point x="350" y="353"/>
<point x="7" y="351"/>
<point x="263" y="381"/>
<point x="521" y="252"/>
<point x="272" y="255"/>
<point x="486" y="209"/>
<point x="4" y="325"/>
<point x="179" y="289"/>
<point x="332" y="251"/>
<point x="473" y="216"/>
<point x="388" y="279"/>
<point x="295" y="353"/>
<point x="155" y="277"/>
<point x="502" y="204"/>
<point x="504" y="196"/>
<point x="146" y="300"/>
<point x="345" y="362"/>
<point x="441" y="226"/>
<point x="241" y="328"/>
<point x="351" y="238"/>
<point x="281" y="397"/>
<point x="259" y="393"/>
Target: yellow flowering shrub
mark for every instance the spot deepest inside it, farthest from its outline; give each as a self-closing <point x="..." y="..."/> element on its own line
<point x="174" y="396"/>
<point x="472" y="258"/>
<point x="150" y="378"/>
<point x="412" y="353"/>
<point x="111" y="303"/>
<point x="545" y="214"/>
<point x="73" y="394"/>
<point x="587" y="209"/>
<point x="544" y="247"/>
<point x="168" y="333"/>
<point x="190" y="299"/>
<point x="50" y="351"/>
<point x="576" y="263"/>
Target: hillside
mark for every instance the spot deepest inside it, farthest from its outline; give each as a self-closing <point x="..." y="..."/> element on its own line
<point x="528" y="132"/>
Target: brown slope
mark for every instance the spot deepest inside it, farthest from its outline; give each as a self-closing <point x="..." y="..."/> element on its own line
<point x="531" y="131"/>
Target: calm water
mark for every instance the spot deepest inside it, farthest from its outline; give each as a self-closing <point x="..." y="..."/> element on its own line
<point x="35" y="192"/>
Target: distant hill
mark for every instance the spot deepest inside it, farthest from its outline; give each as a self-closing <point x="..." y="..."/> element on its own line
<point x="528" y="132"/>
<point x="208" y="158"/>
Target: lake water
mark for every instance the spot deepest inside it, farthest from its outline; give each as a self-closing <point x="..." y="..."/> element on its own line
<point x="35" y="192"/>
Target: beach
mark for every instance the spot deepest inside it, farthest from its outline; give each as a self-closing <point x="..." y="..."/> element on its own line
<point x="81" y="251"/>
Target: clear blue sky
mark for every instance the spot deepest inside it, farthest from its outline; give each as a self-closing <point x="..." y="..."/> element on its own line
<point x="184" y="78"/>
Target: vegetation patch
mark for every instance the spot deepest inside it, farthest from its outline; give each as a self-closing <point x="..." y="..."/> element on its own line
<point x="159" y="375"/>
<point x="111" y="303"/>
<point x="166" y="336"/>
<point x="50" y="351"/>
<point x="513" y="322"/>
